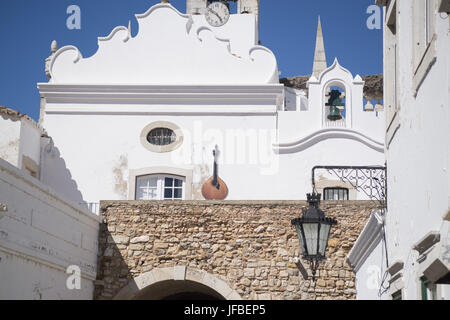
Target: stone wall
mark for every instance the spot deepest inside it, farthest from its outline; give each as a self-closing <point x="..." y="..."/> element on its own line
<point x="373" y="84"/>
<point x="248" y="244"/>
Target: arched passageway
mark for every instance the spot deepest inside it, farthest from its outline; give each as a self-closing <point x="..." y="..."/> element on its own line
<point x="178" y="290"/>
<point x="177" y="283"/>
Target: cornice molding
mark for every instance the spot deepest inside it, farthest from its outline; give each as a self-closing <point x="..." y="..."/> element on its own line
<point x="162" y="99"/>
<point x="311" y="139"/>
<point x="367" y="241"/>
<point x="138" y="88"/>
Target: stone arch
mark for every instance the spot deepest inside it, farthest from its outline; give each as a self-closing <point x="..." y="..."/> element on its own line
<point x="178" y="274"/>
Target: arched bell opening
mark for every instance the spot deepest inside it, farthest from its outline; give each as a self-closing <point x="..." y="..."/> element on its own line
<point x="335" y="106"/>
<point x="178" y="290"/>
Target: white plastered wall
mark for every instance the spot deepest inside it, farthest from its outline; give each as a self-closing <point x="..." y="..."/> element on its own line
<point x="41" y="235"/>
<point x="10" y="140"/>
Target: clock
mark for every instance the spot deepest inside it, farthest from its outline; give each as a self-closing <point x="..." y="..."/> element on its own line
<point x="217" y="14"/>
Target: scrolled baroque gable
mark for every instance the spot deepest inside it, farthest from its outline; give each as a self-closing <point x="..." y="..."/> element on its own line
<point x="170" y="48"/>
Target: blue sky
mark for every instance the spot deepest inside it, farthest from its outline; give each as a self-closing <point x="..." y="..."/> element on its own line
<point x="287" y="27"/>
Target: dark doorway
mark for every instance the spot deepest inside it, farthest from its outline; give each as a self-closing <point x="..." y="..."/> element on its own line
<point x="178" y="290"/>
<point x="191" y="296"/>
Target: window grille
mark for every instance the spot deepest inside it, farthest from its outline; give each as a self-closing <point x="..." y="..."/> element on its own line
<point x="161" y="136"/>
<point x="335" y="194"/>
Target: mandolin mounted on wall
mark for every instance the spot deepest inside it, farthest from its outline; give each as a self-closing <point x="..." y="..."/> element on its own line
<point x="215" y="188"/>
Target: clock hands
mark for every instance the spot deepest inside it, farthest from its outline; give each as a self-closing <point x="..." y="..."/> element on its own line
<point x="220" y="10"/>
<point x="216" y="14"/>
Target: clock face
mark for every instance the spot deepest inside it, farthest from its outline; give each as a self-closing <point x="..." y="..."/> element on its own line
<point x="217" y="14"/>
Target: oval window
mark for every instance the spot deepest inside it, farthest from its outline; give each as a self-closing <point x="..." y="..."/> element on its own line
<point x="161" y="136"/>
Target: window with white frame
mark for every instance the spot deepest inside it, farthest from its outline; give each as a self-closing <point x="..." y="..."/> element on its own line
<point x="161" y="137"/>
<point x="160" y="187"/>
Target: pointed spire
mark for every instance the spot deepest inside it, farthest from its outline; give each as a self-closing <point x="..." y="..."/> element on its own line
<point x="320" y="59"/>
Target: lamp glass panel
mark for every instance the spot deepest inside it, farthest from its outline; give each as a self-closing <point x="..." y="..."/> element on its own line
<point x="311" y="234"/>
<point x="323" y="240"/>
<point x="300" y="237"/>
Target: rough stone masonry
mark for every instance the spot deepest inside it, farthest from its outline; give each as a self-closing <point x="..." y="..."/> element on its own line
<point x="248" y="244"/>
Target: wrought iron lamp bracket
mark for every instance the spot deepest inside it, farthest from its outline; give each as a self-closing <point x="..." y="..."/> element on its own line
<point x="371" y="180"/>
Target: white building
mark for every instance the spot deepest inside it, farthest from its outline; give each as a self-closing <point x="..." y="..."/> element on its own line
<point x="200" y="85"/>
<point x="43" y="233"/>
<point x="404" y="252"/>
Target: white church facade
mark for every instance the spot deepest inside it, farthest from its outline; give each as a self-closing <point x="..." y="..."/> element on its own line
<point x="154" y="106"/>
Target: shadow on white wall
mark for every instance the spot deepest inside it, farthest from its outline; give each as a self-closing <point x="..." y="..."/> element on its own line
<point x="56" y="175"/>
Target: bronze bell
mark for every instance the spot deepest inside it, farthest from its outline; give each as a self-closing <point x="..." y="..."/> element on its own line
<point x="334" y="114"/>
<point x="333" y="103"/>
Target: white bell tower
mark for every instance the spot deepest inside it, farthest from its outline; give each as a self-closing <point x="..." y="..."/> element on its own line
<point x="248" y="6"/>
<point x="196" y="6"/>
<point x="244" y="6"/>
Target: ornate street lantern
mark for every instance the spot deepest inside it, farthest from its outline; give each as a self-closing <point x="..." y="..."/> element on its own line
<point x="334" y="102"/>
<point x="313" y="230"/>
